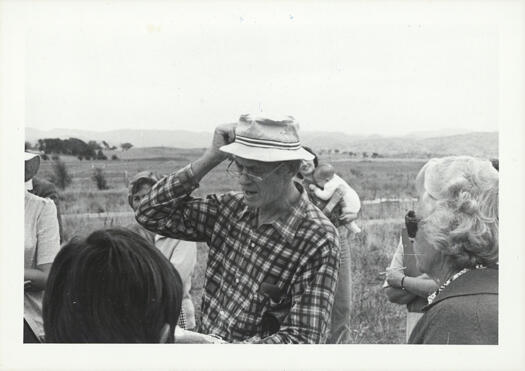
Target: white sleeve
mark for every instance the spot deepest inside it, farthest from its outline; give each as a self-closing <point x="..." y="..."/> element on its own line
<point x="48" y="237"/>
<point x="183" y="256"/>
<point x="397" y="259"/>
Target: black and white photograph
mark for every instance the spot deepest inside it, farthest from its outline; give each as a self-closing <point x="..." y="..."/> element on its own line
<point x="319" y="179"/>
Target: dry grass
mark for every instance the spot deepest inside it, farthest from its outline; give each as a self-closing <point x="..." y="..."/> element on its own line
<point x="374" y="319"/>
<point x="370" y="178"/>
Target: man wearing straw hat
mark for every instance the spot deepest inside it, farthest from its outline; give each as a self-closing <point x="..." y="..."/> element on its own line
<point x="273" y="256"/>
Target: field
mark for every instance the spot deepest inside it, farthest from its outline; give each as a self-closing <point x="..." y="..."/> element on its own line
<point x="374" y="320"/>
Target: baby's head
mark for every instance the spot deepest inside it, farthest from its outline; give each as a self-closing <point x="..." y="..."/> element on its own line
<point x="323" y="174"/>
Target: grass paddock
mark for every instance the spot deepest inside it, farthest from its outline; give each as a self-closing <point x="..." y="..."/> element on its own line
<point x="373" y="320"/>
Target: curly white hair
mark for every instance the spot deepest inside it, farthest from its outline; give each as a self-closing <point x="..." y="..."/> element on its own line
<point x="460" y="196"/>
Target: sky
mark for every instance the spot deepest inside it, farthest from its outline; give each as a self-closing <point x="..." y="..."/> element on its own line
<point x="344" y="67"/>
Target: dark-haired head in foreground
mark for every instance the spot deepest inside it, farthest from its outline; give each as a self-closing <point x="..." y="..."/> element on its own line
<point x="112" y="287"/>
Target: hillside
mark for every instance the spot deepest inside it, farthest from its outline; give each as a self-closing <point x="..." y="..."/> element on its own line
<point x="474" y="144"/>
<point x="482" y="144"/>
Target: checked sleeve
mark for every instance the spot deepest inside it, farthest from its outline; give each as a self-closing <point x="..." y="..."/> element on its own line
<point x="170" y="211"/>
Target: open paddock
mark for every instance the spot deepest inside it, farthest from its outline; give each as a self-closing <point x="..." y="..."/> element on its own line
<point x="385" y="186"/>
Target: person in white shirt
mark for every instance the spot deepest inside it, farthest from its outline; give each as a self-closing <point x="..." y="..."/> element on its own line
<point x="181" y="254"/>
<point x="41" y="245"/>
<point x="404" y="283"/>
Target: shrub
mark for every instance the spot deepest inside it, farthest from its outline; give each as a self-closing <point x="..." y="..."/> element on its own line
<point x="126" y="146"/>
<point x="114" y="157"/>
<point x="101" y="155"/>
<point x="100" y="178"/>
<point x="80" y="158"/>
<point x="55" y="157"/>
<point x="60" y="176"/>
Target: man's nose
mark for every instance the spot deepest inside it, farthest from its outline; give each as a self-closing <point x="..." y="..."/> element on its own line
<point x="244" y="179"/>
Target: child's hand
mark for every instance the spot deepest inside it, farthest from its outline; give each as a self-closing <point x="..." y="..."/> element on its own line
<point x="312" y="187"/>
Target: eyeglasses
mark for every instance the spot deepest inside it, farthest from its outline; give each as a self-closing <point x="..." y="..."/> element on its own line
<point x="236" y="170"/>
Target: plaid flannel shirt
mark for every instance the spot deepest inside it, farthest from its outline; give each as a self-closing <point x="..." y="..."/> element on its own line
<point x="299" y="253"/>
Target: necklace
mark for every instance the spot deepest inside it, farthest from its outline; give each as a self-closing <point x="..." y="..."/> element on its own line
<point x="432" y="296"/>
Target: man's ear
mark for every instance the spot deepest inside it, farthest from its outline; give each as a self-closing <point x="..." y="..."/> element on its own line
<point x="164" y="333"/>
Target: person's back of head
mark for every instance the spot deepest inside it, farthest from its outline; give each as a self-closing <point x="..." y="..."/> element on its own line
<point x="112" y="287"/>
<point x="323" y="173"/>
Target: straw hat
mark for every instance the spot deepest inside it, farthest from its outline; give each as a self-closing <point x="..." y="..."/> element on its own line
<point x="267" y="139"/>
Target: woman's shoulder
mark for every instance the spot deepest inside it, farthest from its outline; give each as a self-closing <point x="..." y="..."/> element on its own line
<point x="469" y="319"/>
<point x="465" y="299"/>
<point x="39" y="202"/>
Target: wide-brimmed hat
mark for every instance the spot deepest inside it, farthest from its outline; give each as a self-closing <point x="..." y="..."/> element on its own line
<point x="32" y="164"/>
<point x="267" y="139"/>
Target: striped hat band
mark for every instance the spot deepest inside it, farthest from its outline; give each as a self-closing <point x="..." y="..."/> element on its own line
<point x="264" y="143"/>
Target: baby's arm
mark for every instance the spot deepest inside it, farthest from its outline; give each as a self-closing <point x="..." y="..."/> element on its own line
<point x="327" y="192"/>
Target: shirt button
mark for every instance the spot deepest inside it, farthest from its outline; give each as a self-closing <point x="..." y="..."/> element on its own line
<point x="252" y="244"/>
<point x="236" y="280"/>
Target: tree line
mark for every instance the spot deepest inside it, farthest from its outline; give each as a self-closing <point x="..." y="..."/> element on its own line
<point x="336" y="151"/>
<point x="92" y="150"/>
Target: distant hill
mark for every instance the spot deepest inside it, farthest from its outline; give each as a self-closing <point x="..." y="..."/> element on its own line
<point x="482" y="144"/>
<point x="474" y="144"/>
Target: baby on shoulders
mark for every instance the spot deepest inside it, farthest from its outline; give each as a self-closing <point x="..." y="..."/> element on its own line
<point x="327" y="181"/>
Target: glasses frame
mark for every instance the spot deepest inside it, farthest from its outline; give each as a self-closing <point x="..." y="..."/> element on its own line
<point x="252" y="177"/>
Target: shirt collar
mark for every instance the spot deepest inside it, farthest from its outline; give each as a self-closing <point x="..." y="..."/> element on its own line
<point x="287" y="224"/>
<point x="159" y="237"/>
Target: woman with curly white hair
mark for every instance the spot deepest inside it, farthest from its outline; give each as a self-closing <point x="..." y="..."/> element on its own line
<point x="457" y="246"/>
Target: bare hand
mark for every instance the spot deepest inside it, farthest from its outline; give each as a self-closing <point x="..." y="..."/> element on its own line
<point x="394" y="276"/>
<point x="224" y="134"/>
<point x="190" y="337"/>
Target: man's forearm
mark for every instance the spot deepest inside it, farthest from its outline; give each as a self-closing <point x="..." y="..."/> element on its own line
<point x="205" y="164"/>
